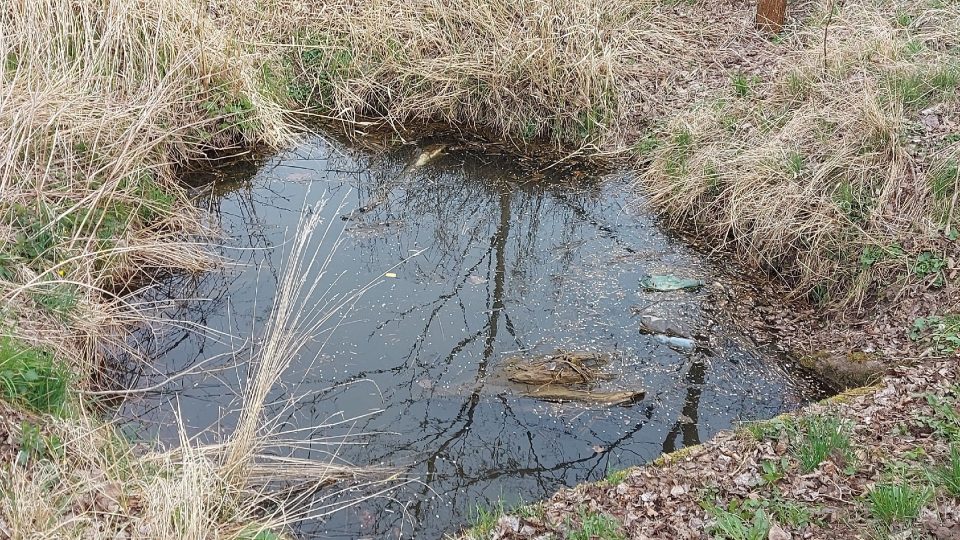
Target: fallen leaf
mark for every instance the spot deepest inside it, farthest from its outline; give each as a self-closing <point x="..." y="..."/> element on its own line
<point x="777" y="533"/>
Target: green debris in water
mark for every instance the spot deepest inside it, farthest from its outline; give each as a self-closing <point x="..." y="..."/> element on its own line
<point x="670" y="283"/>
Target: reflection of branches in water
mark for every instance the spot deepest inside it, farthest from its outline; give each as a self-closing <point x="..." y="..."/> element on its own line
<point x="695" y="378"/>
<point x="193" y="326"/>
<point x="505" y="255"/>
<point x="460" y="429"/>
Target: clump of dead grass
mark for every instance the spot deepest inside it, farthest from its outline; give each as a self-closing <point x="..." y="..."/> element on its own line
<point x="75" y="476"/>
<point x="832" y="171"/>
<point x="79" y="478"/>
<point x="520" y="71"/>
<point x="99" y="106"/>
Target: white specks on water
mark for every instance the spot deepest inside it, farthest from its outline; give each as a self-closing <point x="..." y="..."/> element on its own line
<point x="510" y="266"/>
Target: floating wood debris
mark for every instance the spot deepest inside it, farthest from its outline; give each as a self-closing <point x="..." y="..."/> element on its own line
<point x="562" y="367"/>
<point x="552" y="392"/>
<point x="567" y="376"/>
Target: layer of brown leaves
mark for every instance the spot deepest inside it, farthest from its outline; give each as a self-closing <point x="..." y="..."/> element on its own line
<point x="662" y="500"/>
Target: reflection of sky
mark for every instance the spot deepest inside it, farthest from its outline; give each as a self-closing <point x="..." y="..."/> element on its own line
<point x="490" y="260"/>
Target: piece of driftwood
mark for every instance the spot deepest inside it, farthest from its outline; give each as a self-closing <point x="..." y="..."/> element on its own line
<point x="552" y="392"/>
<point x="567" y="376"/>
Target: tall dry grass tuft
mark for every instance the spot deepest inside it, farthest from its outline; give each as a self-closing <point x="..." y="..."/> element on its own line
<point x="302" y="310"/>
<point x="78" y="477"/>
<point x="835" y="172"/>
<point x="544" y="70"/>
<point x="100" y="103"/>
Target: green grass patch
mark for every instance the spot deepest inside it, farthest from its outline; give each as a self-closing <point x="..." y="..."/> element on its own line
<point x="644" y="147"/>
<point x="796" y="164"/>
<point x="767" y="429"/>
<point x="945" y="421"/>
<point x="920" y="87"/>
<point x="854" y="200"/>
<point x="943" y="180"/>
<point x="948" y="475"/>
<point x="594" y="526"/>
<point x="791" y="513"/>
<point x="615" y="478"/>
<point x="234" y="113"/>
<point x="483" y="519"/>
<point x="751" y="519"/>
<point x="903" y="19"/>
<point x="873" y="254"/>
<point x="44" y="229"/>
<point x="743" y="84"/>
<point x="59" y="299"/>
<point x="35" y="445"/>
<point x="259" y="532"/>
<point x="897" y="503"/>
<point x="324" y="63"/>
<point x="680" y="149"/>
<point x="798" y="86"/>
<point x="32" y="377"/>
<point x="941" y="331"/>
<point x="819" y="438"/>
<point x="738" y="521"/>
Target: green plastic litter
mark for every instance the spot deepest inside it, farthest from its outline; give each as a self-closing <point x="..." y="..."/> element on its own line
<point x="670" y="283"/>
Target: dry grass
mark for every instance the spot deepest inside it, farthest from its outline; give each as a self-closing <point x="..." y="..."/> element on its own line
<point x="829" y="171"/>
<point x="532" y="70"/>
<point x="100" y="103"/>
<point x="77" y="478"/>
<point x="834" y="173"/>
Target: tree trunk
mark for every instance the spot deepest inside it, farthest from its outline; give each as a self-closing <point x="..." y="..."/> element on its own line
<point x="771" y="14"/>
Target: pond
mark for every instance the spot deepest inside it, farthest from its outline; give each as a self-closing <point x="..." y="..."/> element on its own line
<point x="473" y="257"/>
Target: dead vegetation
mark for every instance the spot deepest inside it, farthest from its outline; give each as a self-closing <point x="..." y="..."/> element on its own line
<point x="564" y="376"/>
<point x="561" y="367"/>
<point x="492" y="67"/>
<point x="879" y="463"/>
<point x="578" y="75"/>
<point x="837" y="171"/>
<point x="101" y="103"/>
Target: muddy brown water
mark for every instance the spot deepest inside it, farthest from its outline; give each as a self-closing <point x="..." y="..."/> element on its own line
<point x="490" y="259"/>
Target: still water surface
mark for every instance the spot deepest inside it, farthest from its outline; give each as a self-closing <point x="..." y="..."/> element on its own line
<point x="490" y="259"/>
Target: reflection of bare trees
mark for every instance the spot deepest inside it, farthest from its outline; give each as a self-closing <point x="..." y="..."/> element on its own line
<point x="503" y="264"/>
<point x="687" y="424"/>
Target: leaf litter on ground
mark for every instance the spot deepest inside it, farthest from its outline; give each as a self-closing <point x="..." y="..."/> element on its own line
<point x="889" y="424"/>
